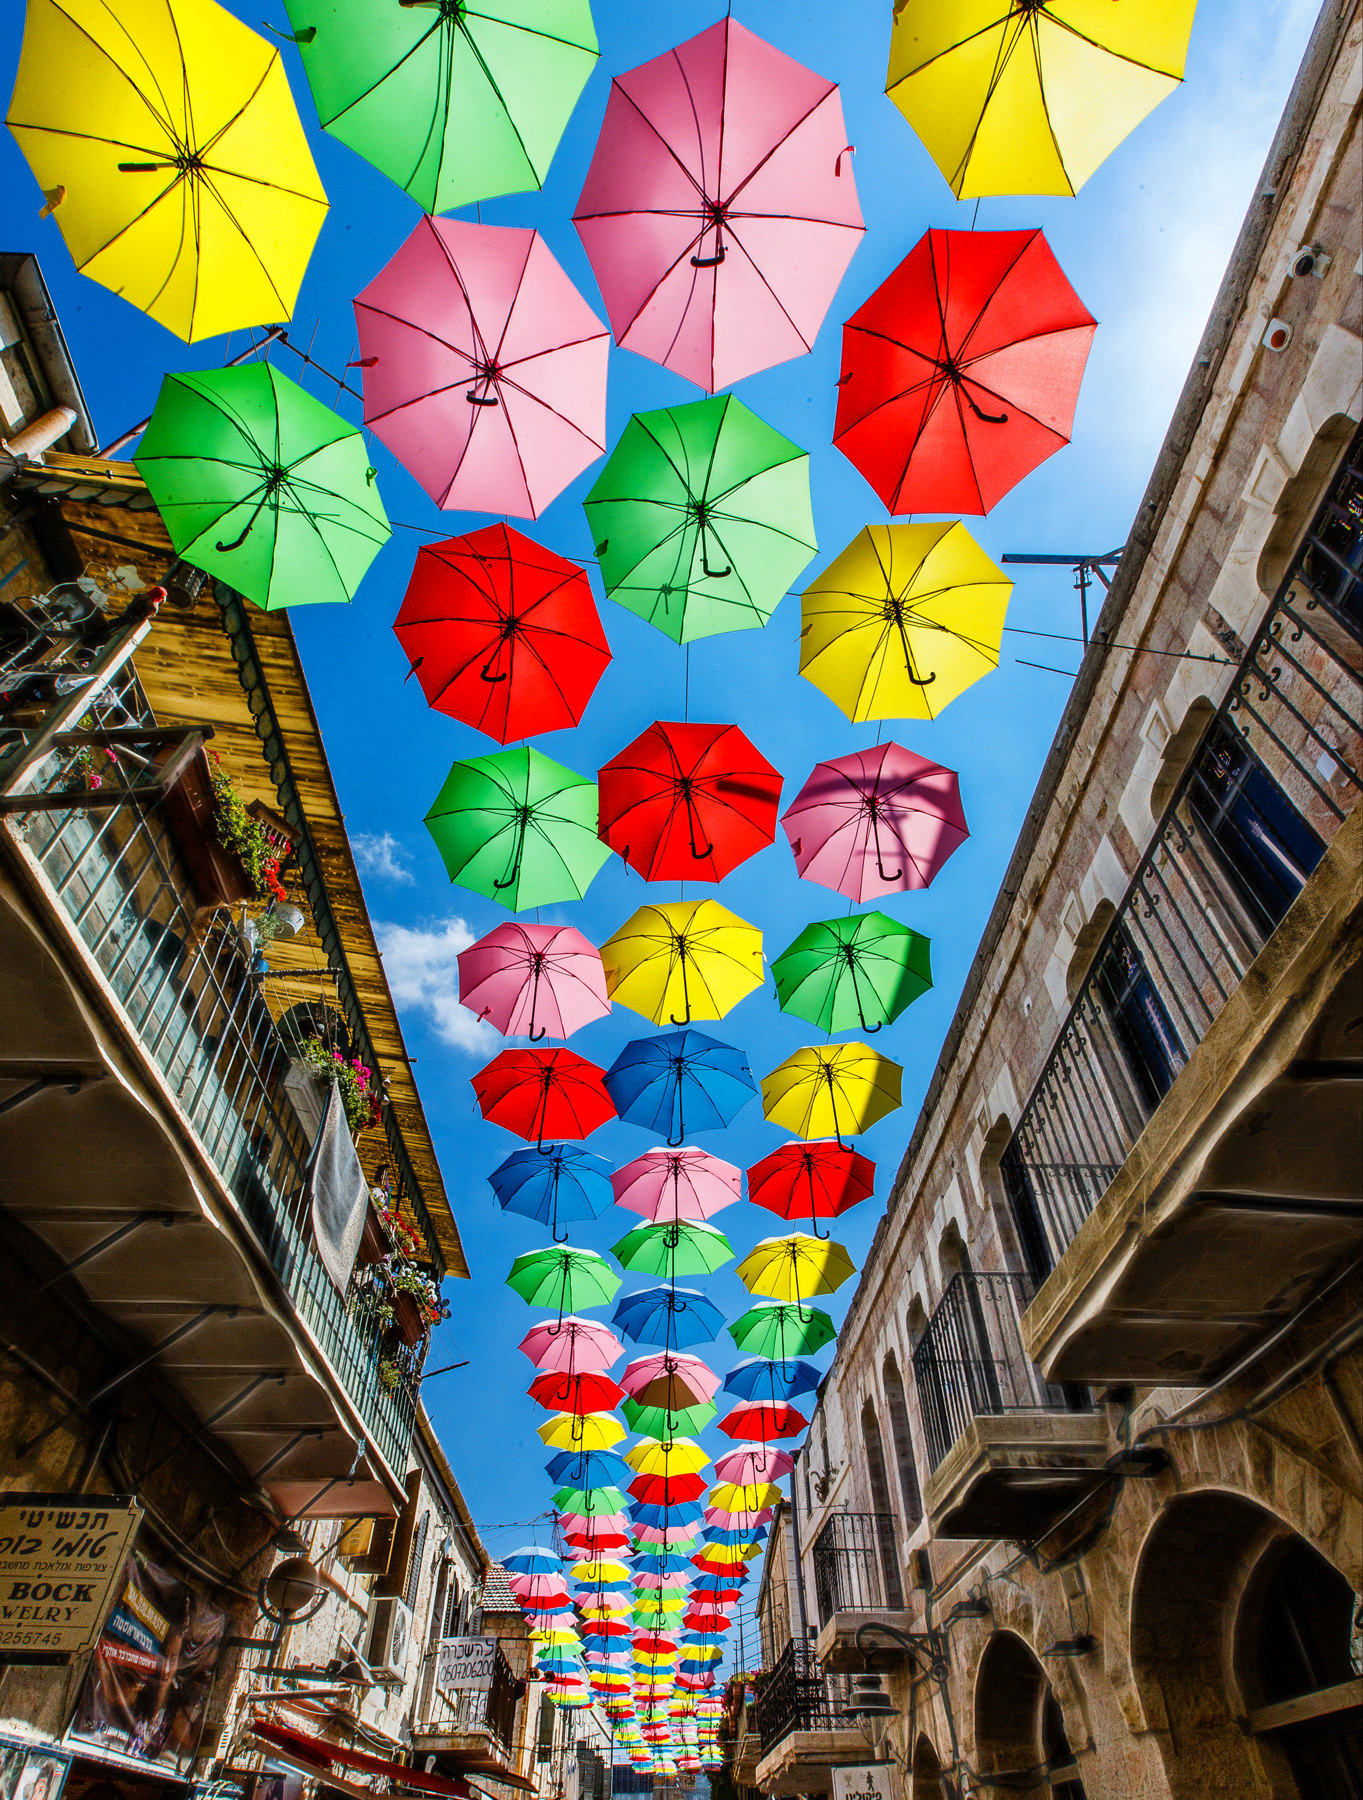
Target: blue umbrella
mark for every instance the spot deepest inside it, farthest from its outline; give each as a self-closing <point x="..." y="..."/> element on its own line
<point x="531" y="1560"/>
<point x="681" y="1082"/>
<point x="761" y="1378"/>
<point x="560" y="1182"/>
<point x="665" y="1515"/>
<point x="668" y="1315"/>
<point x="671" y="1562"/>
<point x="558" y="1660"/>
<point x="748" y="1534"/>
<point x="589" y="1469"/>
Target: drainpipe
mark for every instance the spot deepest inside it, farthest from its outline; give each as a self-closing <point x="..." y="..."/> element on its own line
<point x="28" y="445"/>
<point x="795" y="1546"/>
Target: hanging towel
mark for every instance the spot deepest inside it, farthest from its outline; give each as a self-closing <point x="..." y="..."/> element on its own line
<point x="338" y="1192"/>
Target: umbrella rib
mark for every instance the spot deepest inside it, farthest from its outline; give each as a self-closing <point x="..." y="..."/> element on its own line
<point x="501" y="101"/>
<point x="374" y="86"/>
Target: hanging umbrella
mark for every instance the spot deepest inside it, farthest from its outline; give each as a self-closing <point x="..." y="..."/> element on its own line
<point x="518" y="828"/>
<point x="862" y="971"/>
<point x="585" y="1392"/>
<point x="580" y="1431"/>
<point x="676" y="1184"/>
<point x="778" y="1328"/>
<point x="757" y="1378"/>
<point x="669" y="1380"/>
<point x="961" y="372"/>
<point x="169" y="151"/>
<point x="677" y="960"/>
<point x="589" y="1503"/>
<point x="670" y="1316"/>
<point x="753" y="1466"/>
<point x="1030" y="100"/>
<point x="701" y="518"/>
<point x="831" y="1088"/>
<point x="907" y="618"/>
<point x="650" y="1456"/>
<point x="602" y="1569"/>
<point x="543" y="1093"/>
<point x="687" y="1247"/>
<point x="502" y="633"/>
<point x="532" y="1559"/>
<point x="668" y="1490"/>
<point x="683" y="1081"/>
<point x="587" y="1468"/>
<point x="720" y="211"/>
<point x="533" y="980"/>
<point x="563" y="1277"/>
<point x="554" y="1183"/>
<point x="571" y="1345"/>
<point x="454" y="104"/>
<point x="792" y="1268"/>
<point x="813" y="1181"/>
<point x="663" y="1421"/>
<point x="716" y="1534"/>
<point x="542" y="1585"/>
<point x="688" y="802"/>
<point x="879" y="821"/>
<point x="484" y="368"/>
<point x="261" y="485"/>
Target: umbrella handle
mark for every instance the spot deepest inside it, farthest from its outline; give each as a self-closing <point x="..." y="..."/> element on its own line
<point x="483" y="674"/>
<point x="706" y="569"/>
<point x="922" y="680"/>
<point x="237" y="542"/>
<point x="984" y="417"/>
<point x="543" y="1031"/>
<point x="481" y="399"/>
<point x="710" y="262"/>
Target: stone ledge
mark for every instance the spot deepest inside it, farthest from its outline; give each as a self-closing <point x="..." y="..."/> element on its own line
<point x="1011" y="1475"/>
<point x="800" y="1763"/>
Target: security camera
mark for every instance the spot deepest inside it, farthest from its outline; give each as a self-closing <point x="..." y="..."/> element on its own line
<point x="1309" y="260"/>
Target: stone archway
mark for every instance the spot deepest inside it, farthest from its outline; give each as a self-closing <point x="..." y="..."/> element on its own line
<point x="927" y="1772"/>
<point x="1019" y="1730"/>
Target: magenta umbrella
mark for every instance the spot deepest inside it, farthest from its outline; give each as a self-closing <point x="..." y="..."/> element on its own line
<point x="655" y="1380"/>
<point x="533" y="980"/>
<point x="876" y="822"/>
<point x="748" y="1467"/>
<point x="484" y="368"/>
<point x="720" y="210"/>
<point x="571" y="1346"/>
<point x="737" y="1521"/>
<point x="676" y="1184"/>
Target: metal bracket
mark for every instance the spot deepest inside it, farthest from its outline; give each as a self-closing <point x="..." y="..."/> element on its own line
<point x="73" y="1083"/>
<point x="186" y="740"/>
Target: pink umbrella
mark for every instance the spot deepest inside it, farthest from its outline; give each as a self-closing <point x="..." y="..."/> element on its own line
<point x="737" y="1521"/>
<point x="676" y="1184"/>
<point x="665" y="1534"/>
<point x="538" y="1587"/>
<point x="520" y="977"/>
<point x="571" y="1346"/>
<point x="607" y="1522"/>
<point x="751" y="1466"/>
<point x="876" y="822"/>
<point x="484" y="368"/>
<point x="654" y="1582"/>
<point x="720" y="211"/>
<point x="670" y="1379"/>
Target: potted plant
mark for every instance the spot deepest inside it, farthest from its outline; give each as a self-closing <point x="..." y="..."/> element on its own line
<point x="360" y="1094"/>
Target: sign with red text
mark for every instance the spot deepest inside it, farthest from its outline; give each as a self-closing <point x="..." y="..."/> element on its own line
<point x="61" y="1560"/>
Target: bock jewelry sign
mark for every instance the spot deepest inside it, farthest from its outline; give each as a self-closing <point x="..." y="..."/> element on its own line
<point x="61" y="1556"/>
<point x="465" y="1663"/>
<point x="869" y="1781"/>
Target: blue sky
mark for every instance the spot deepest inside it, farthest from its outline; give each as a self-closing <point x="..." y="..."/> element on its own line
<point x="1144" y="244"/>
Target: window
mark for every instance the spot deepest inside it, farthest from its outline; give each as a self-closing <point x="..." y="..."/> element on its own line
<point x="882" y="1506"/>
<point x="1152" y="1048"/>
<point x="1261" y="841"/>
<point x="903" y="1440"/>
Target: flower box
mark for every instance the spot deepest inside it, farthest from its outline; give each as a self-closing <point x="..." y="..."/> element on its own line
<point x="191" y="812"/>
<point x="408" y="1318"/>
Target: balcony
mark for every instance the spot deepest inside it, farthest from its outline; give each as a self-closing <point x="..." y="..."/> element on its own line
<point x="798" y="1715"/>
<point x="1010" y="1453"/>
<point x="1185" y="1170"/>
<point x="856" y="1582"/>
<point x="474" y="1732"/>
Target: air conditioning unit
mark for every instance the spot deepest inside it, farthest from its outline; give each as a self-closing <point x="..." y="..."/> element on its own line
<point x="390" y="1638"/>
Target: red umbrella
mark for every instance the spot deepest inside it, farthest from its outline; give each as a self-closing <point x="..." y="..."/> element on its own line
<point x="502" y="633"/>
<point x="668" y="1490"/>
<point x="763" y="1420"/>
<point x="736" y="1571"/>
<point x="698" y="1619"/>
<point x="720" y="212"/>
<point x="543" y="1093"/>
<point x="961" y="372"/>
<point x="818" y="1180"/>
<point x="688" y="802"/>
<point x="585" y="1392"/>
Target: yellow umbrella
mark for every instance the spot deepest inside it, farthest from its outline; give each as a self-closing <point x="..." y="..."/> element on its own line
<point x="751" y="1496"/>
<point x="600" y="1571"/>
<point x="169" y="151"/>
<point x="607" y="1606"/>
<point x="829" y="1089"/>
<point x="794" y="1267"/>
<point x="679" y="960"/>
<point x="581" y="1431"/>
<point x="554" y="1637"/>
<point x="682" y="1456"/>
<point x="1013" y="98"/>
<point x="907" y="618"/>
<point x="730" y="1553"/>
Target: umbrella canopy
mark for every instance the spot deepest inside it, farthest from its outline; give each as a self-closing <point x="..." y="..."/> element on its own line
<point x="484" y="368"/>
<point x="543" y="1093"/>
<point x="563" y="1277"/>
<point x="589" y="1503"/>
<point x="533" y="980"/>
<point x="1030" y="100"/>
<point x="580" y="1431"/>
<point x="584" y="1392"/>
<point x="571" y="1345"/>
<point x="831" y="1088"/>
<point x="685" y="1247"/>
<point x="518" y="828"/>
<point x="532" y="1559"/>
<point x="688" y="802"/>
<point x="752" y="1466"/>
<point x="757" y="1378"/>
<point x="668" y="1490"/>
<point x="663" y="1421"/>
<point x="587" y="1468"/>
<point x="812" y="1181"/>
<point x="670" y="1316"/>
<point x="907" y="618"/>
<point x="844" y="973"/>
<point x="961" y="372"/>
<point x="554" y="1183"/>
<point x="669" y="1380"/>
<point x="168" y="148"/>
<point x="650" y="1456"/>
<point x="453" y="104"/>
<point x="779" y="1328"/>
<point x="676" y="1184"/>
<point x="701" y="518"/>
<point x="879" y="821"/>
<point x="502" y="633"/>
<point x="720" y="210"/>
<point x="792" y="1268"/>
<point x="679" y="1082"/>
<point x="676" y="960"/>
<point x="544" y="1585"/>
<point x="262" y="486"/>
<point x="602" y="1569"/>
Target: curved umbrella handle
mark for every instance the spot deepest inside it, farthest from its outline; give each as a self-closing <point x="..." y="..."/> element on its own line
<point x="922" y="680"/>
<point x="705" y="566"/>
<point x="484" y="676"/>
<point x="481" y="399"/>
<point x="237" y="542"/>
<point x="710" y="262"/>
<point x="543" y="1031"/>
<point x="984" y="417"/>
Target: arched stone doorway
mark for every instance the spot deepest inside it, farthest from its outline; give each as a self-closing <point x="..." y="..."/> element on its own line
<point x="1019" y="1729"/>
<point x="927" y="1773"/>
<point x="1240" y="1646"/>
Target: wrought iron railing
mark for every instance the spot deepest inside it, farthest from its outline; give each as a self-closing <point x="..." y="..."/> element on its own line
<point x="970" y="1362"/>
<point x="795" y="1695"/>
<point x="1278" y="770"/>
<point x="489" y="1712"/>
<point x="856" y="1566"/>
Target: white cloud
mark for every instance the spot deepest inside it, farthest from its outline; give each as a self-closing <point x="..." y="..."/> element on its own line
<point x="383" y="857"/>
<point x="423" y="972"/>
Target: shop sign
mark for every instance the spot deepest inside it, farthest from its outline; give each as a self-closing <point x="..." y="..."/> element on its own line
<point x="464" y="1664"/>
<point x="865" y="1781"/>
<point x="30" y="1771"/>
<point x="61" y="1558"/>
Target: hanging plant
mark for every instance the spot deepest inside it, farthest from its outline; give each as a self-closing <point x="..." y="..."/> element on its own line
<point x="260" y="851"/>
<point x="359" y="1094"/>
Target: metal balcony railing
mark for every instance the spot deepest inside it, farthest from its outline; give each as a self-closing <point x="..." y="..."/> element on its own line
<point x="1278" y="770"/>
<point x="856" y="1566"/>
<point x="970" y="1362"/>
<point x="489" y="1712"/>
<point x="795" y="1695"/>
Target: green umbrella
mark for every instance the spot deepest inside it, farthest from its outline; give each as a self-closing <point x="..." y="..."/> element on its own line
<point x="456" y="101"/>
<point x="262" y="486"/>
<point x="591" y="1503"/>
<point x="657" y="1421"/>
<point x="564" y="1278"/>
<point x="684" y="1247"/>
<point x="701" y="518"/>
<point x="780" y="1329"/>
<point x="518" y="828"/>
<point x="845" y="974"/>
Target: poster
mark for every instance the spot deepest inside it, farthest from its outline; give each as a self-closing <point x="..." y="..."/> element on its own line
<point x="31" y="1771"/>
<point x="867" y="1781"/>
<point x="152" y="1671"/>
<point x="464" y="1664"/>
<point x="60" y="1557"/>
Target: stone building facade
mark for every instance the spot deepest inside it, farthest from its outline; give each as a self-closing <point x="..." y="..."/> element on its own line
<point x="1080" y="1510"/>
